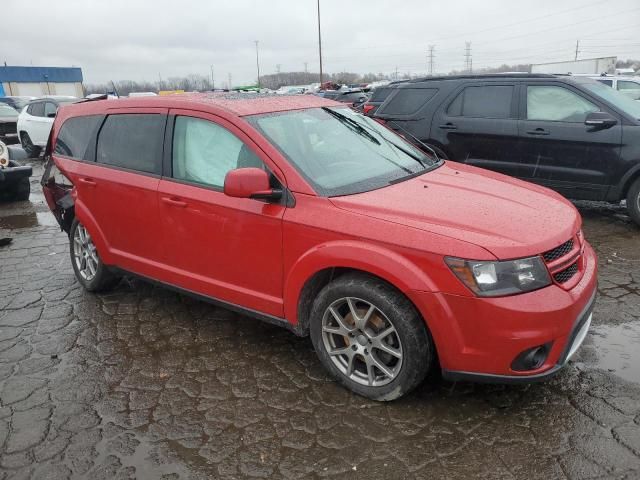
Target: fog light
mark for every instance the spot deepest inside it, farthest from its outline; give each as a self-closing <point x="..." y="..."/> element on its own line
<point x="532" y="358"/>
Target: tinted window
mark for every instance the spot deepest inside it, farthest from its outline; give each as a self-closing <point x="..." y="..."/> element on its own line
<point x="75" y="134"/>
<point x="37" y="109"/>
<point x="380" y="94"/>
<point x="408" y="100"/>
<point x="132" y="141"/>
<point x="606" y="82"/>
<point x="352" y="97"/>
<point x="490" y="101"/>
<point x="204" y="152"/>
<point x="557" y="104"/>
<point x="50" y="109"/>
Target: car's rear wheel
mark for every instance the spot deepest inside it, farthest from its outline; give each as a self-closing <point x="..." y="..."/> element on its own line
<point x="633" y="201"/>
<point x="30" y="149"/>
<point x="370" y="337"/>
<point x="92" y="274"/>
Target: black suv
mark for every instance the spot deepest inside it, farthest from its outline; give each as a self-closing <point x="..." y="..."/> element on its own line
<point x="571" y="134"/>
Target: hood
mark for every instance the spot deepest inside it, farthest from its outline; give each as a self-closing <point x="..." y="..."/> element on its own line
<point x="508" y="217"/>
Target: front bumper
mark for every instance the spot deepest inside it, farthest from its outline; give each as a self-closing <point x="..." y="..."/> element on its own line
<point x="477" y="339"/>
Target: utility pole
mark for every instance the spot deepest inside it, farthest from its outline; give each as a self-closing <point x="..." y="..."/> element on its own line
<point x="257" y="63"/>
<point x="305" y="68"/>
<point x="396" y="74"/>
<point x="467" y="57"/>
<point x="213" y="83"/>
<point x="319" y="43"/>
<point x="229" y="84"/>
<point x="577" y="51"/>
<point x="431" y="48"/>
<point x="159" y="81"/>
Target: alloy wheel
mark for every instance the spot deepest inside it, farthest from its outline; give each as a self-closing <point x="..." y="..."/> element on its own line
<point x="84" y="253"/>
<point x="362" y="342"/>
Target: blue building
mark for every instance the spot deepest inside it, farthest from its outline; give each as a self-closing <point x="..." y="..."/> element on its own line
<point x="38" y="81"/>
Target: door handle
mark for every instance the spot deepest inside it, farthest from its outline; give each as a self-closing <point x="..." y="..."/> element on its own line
<point x="538" y="131"/>
<point x="448" y="126"/>
<point x="173" y="202"/>
<point x="88" y="182"/>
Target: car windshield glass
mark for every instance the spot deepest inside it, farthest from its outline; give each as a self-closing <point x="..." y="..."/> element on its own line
<point x="620" y="101"/>
<point x="341" y="152"/>
<point x="7" y="111"/>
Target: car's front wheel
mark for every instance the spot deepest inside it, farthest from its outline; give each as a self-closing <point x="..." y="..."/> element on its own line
<point x="633" y="201"/>
<point x="92" y="274"/>
<point x="370" y="337"/>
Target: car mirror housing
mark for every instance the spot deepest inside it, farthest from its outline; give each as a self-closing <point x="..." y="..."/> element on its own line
<point x="600" y="120"/>
<point x="250" y="183"/>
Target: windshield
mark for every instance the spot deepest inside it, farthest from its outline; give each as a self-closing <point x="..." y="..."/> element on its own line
<point x="617" y="99"/>
<point x="340" y="152"/>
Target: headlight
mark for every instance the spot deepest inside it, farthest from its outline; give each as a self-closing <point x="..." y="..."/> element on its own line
<point x="494" y="279"/>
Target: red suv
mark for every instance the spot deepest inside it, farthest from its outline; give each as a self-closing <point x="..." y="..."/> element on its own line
<point x="303" y="213"/>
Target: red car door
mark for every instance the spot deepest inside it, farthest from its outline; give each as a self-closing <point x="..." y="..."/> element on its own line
<point x="219" y="246"/>
<point x="118" y="190"/>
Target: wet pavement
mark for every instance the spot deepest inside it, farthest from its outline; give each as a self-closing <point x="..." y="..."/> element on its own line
<point x="145" y="383"/>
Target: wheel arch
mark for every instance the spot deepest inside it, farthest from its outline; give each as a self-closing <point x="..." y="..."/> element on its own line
<point x="326" y="262"/>
<point x="628" y="180"/>
<point x="84" y="216"/>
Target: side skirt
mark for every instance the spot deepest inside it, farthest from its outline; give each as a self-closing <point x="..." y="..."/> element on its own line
<point x="264" y="317"/>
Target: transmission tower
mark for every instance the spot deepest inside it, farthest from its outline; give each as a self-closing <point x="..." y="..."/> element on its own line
<point x="431" y="49"/>
<point x="467" y="57"/>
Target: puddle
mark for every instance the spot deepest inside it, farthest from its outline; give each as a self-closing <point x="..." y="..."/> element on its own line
<point x="617" y="349"/>
<point x="28" y="220"/>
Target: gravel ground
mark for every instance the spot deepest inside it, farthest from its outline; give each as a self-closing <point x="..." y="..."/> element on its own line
<point x="146" y="383"/>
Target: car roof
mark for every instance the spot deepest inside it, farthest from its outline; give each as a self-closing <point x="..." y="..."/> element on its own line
<point x="485" y="76"/>
<point x="239" y="104"/>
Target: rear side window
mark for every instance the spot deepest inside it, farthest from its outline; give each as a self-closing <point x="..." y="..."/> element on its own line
<point x="37" y="109"/>
<point x="489" y="101"/>
<point x="132" y="141"/>
<point x="608" y="83"/>
<point x="75" y="135"/>
<point x="408" y="101"/>
<point x="380" y="94"/>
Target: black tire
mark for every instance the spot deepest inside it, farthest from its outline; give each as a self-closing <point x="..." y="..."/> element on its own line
<point x="633" y="201"/>
<point x="411" y="334"/>
<point x="22" y="189"/>
<point x="30" y="149"/>
<point x="103" y="279"/>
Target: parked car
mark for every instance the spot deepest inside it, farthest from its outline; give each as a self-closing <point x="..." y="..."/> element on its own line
<point x="17" y="102"/>
<point x="378" y="96"/>
<point x="14" y="177"/>
<point x="352" y="97"/>
<point x="34" y="122"/>
<point x="568" y="133"/>
<point x="306" y="214"/>
<point x="629" y="86"/>
<point x="8" y="122"/>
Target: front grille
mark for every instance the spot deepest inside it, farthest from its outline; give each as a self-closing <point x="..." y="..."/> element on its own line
<point x="558" y="252"/>
<point x="7" y="128"/>
<point x="566" y="274"/>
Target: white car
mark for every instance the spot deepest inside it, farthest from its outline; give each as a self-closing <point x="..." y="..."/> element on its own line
<point x="627" y="85"/>
<point x="35" y="121"/>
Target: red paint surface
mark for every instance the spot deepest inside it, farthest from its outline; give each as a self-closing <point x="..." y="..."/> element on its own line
<point x="260" y="255"/>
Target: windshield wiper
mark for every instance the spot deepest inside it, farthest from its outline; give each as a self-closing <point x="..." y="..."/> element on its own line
<point x="416" y="139"/>
<point x="355" y="126"/>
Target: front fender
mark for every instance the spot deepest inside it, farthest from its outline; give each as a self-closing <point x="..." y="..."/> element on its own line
<point x="374" y="259"/>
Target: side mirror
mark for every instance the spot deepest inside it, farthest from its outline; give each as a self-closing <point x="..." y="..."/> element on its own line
<point x="250" y="183"/>
<point x="600" y="120"/>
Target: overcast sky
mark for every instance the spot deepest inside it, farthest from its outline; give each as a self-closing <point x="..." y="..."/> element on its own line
<point x="138" y="40"/>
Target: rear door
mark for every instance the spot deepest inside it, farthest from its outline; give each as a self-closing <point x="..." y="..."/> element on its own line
<point x="478" y="126"/>
<point x="216" y="245"/>
<point x="563" y="152"/>
<point x="119" y="189"/>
